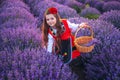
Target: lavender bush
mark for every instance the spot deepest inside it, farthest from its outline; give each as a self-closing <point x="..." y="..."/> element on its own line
<point x="82" y="1"/>
<point x="21" y="37"/>
<point x="75" y="5"/>
<point x="91" y="2"/>
<point x="13" y="0"/>
<point x="29" y="1"/>
<point x="14" y="3"/>
<point x="61" y="1"/>
<point x="14" y="23"/>
<point x="103" y="62"/>
<point x="33" y="64"/>
<point x="99" y="6"/>
<point x="15" y="12"/>
<point x="111" y="5"/>
<point x="71" y="3"/>
<point x="32" y="3"/>
<point x="112" y="17"/>
<point x="1" y="2"/>
<point x="104" y="66"/>
<point x="89" y="12"/>
<point x="111" y="0"/>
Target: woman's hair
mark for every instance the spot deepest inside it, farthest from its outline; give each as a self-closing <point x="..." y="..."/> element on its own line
<point x="45" y="27"/>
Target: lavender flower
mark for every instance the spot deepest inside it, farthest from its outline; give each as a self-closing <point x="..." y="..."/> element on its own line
<point x="112" y="17"/>
<point x="111" y="5"/>
<point x="91" y="13"/>
<point x="21" y="37"/>
<point x="33" y="64"/>
<point x="102" y="62"/>
<point x="92" y="42"/>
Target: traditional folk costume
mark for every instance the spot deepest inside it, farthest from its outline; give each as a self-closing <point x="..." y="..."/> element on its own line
<point x="68" y="50"/>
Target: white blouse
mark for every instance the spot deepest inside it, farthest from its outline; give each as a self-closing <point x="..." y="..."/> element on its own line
<point x="73" y="28"/>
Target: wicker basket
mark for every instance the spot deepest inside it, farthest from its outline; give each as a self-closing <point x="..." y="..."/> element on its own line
<point x="80" y="41"/>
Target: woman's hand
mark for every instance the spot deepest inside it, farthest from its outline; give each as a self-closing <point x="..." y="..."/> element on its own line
<point x="84" y="25"/>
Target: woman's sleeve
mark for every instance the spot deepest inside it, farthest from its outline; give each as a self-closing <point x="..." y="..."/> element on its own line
<point x="50" y="43"/>
<point x="73" y="26"/>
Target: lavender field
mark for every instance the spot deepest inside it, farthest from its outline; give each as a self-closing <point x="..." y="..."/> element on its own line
<point x="23" y="58"/>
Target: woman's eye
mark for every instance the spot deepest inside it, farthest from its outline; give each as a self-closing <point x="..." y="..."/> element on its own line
<point x="47" y="19"/>
<point x="52" y="18"/>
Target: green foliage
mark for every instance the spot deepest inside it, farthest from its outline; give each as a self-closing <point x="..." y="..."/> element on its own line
<point x="78" y="9"/>
<point x="92" y="16"/>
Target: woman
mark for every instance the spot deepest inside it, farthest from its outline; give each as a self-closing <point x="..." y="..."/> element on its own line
<point x="57" y="35"/>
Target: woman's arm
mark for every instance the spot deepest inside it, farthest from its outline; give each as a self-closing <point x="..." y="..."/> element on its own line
<point x="74" y="26"/>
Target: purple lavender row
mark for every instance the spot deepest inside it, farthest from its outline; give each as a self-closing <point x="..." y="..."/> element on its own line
<point x="33" y="64"/>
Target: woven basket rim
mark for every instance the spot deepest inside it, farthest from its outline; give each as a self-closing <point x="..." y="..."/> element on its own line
<point x="91" y="30"/>
<point x="84" y="48"/>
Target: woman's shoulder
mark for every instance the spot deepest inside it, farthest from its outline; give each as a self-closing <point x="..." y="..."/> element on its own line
<point x="63" y="19"/>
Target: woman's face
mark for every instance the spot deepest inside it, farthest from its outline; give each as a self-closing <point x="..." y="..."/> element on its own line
<point x="51" y="20"/>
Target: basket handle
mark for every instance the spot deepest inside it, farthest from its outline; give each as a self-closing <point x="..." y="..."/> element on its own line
<point x="85" y="27"/>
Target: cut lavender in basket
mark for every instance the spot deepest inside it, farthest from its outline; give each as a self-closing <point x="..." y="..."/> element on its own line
<point x="92" y="42"/>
